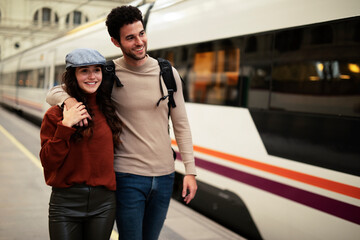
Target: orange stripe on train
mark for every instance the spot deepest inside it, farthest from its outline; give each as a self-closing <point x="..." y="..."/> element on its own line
<point x="330" y="185"/>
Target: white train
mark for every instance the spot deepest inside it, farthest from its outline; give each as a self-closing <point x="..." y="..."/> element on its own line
<point x="273" y="98"/>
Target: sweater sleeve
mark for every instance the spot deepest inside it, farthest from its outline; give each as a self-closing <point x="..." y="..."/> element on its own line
<point x="55" y="139"/>
<point x="56" y="96"/>
<point x="181" y="128"/>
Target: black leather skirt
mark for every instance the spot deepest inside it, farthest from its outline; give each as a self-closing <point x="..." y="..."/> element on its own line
<point x="81" y="212"/>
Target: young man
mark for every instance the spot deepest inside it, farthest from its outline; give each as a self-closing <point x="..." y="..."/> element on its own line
<point x="143" y="161"/>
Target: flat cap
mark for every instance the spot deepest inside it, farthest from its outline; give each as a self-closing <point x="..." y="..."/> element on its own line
<point x="84" y="57"/>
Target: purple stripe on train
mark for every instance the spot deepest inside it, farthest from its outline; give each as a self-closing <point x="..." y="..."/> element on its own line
<point x="331" y="206"/>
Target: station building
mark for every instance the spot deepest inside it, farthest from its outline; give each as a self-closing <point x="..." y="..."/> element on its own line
<point x="27" y="23"/>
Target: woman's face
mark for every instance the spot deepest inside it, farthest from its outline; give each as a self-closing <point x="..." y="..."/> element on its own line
<point x="89" y="78"/>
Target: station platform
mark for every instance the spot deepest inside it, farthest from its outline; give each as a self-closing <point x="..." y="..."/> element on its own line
<point x="25" y="196"/>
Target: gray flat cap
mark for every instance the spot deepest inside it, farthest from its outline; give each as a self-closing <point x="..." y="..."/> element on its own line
<point x="84" y="57"/>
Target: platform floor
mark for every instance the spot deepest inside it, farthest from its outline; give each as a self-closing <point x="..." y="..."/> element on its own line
<point x="25" y="196"/>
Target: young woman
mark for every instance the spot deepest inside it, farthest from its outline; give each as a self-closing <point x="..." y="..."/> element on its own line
<point x="78" y="161"/>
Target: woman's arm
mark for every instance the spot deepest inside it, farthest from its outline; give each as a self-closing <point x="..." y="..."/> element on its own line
<point x="55" y="139"/>
<point x="56" y="130"/>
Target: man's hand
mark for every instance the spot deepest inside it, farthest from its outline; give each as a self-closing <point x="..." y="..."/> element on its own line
<point x="189" y="184"/>
<point x="71" y="102"/>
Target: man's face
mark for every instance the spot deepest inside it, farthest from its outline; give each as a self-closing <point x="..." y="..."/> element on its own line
<point x="133" y="41"/>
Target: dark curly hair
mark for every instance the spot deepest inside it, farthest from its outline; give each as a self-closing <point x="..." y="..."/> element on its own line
<point x="106" y="106"/>
<point x="120" y="16"/>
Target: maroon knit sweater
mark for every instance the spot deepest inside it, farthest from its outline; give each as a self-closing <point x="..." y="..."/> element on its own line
<point x="65" y="162"/>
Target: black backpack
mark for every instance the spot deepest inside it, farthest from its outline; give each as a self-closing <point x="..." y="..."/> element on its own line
<point x="166" y="72"/>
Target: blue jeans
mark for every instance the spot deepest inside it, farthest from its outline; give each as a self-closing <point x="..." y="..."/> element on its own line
<point x="142" y="204"/>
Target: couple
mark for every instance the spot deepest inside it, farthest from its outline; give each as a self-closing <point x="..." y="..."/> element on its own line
<point x="79" y="162"/>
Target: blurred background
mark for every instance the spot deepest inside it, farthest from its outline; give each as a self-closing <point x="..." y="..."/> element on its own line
<point x="27" y="23"/>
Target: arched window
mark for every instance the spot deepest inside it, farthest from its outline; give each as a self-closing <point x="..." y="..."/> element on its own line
<point x="76" y="18"/>
<point x="45" y="16"/>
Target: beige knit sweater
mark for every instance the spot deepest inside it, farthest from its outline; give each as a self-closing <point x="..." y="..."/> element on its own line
<point x="146" y="146"/>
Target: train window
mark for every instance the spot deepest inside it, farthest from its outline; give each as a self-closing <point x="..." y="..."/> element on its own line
<point x="214" y="75"/>
<point x="155" y="54"/>
<point x="26" y="78"/>
<point x="31" y="78"/>
<point x="251" y="44"/>
<point x="59" y="70"/>
<point x="256" y="80"/>
<point x="320" y="78"/>
<point x="288" y="40"/>
<point x="321" y="35"/>
<point x="184" y="54"/>
<point x="40" y="76"/>
<point x="356" y="34"/>
<point x="228" y="64"/>
<point x="328" y="87"/>
<point x="256" y="72"/>
<point x="201" y="76"/>
<point x="166" y="54"/>
<point x="8" y="79"/>
<point x="176" y="57"/>
<point x="21" y="78"/>
<point x="169" y="55"/>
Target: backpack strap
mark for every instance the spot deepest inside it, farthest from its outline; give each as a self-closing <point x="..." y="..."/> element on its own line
<point x="167" y="74"/>
<point x="109" y="77"/>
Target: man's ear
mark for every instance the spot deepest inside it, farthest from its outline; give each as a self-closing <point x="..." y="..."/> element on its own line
<point x="115" y="42"/>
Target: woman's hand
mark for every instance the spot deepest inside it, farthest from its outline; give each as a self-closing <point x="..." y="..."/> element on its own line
<point x="74" y="115"/>
<point x="70" y="102"/>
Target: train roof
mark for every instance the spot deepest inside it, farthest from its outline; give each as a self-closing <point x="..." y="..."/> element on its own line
<point x="181" y="22"/>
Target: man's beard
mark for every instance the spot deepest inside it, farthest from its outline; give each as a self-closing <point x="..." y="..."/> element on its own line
<point x="134" y="56"/>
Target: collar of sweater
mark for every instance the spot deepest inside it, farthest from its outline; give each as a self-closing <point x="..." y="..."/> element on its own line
<point x="149" y="64"/>
<point x="91" y="98"/>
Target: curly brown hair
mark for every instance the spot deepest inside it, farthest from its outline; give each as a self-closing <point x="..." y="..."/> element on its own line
<point x="120" y="16"/>
<point x="106" y="106"/>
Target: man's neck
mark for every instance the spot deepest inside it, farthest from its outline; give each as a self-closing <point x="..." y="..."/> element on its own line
<point x="135" y="63"/>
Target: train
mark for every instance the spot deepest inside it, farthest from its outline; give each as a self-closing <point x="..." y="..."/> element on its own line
<point x="272" y="92"/>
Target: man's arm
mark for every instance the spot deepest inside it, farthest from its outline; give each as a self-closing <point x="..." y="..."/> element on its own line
<point x="184" y="141"/>
<point x="57" y="96"/>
